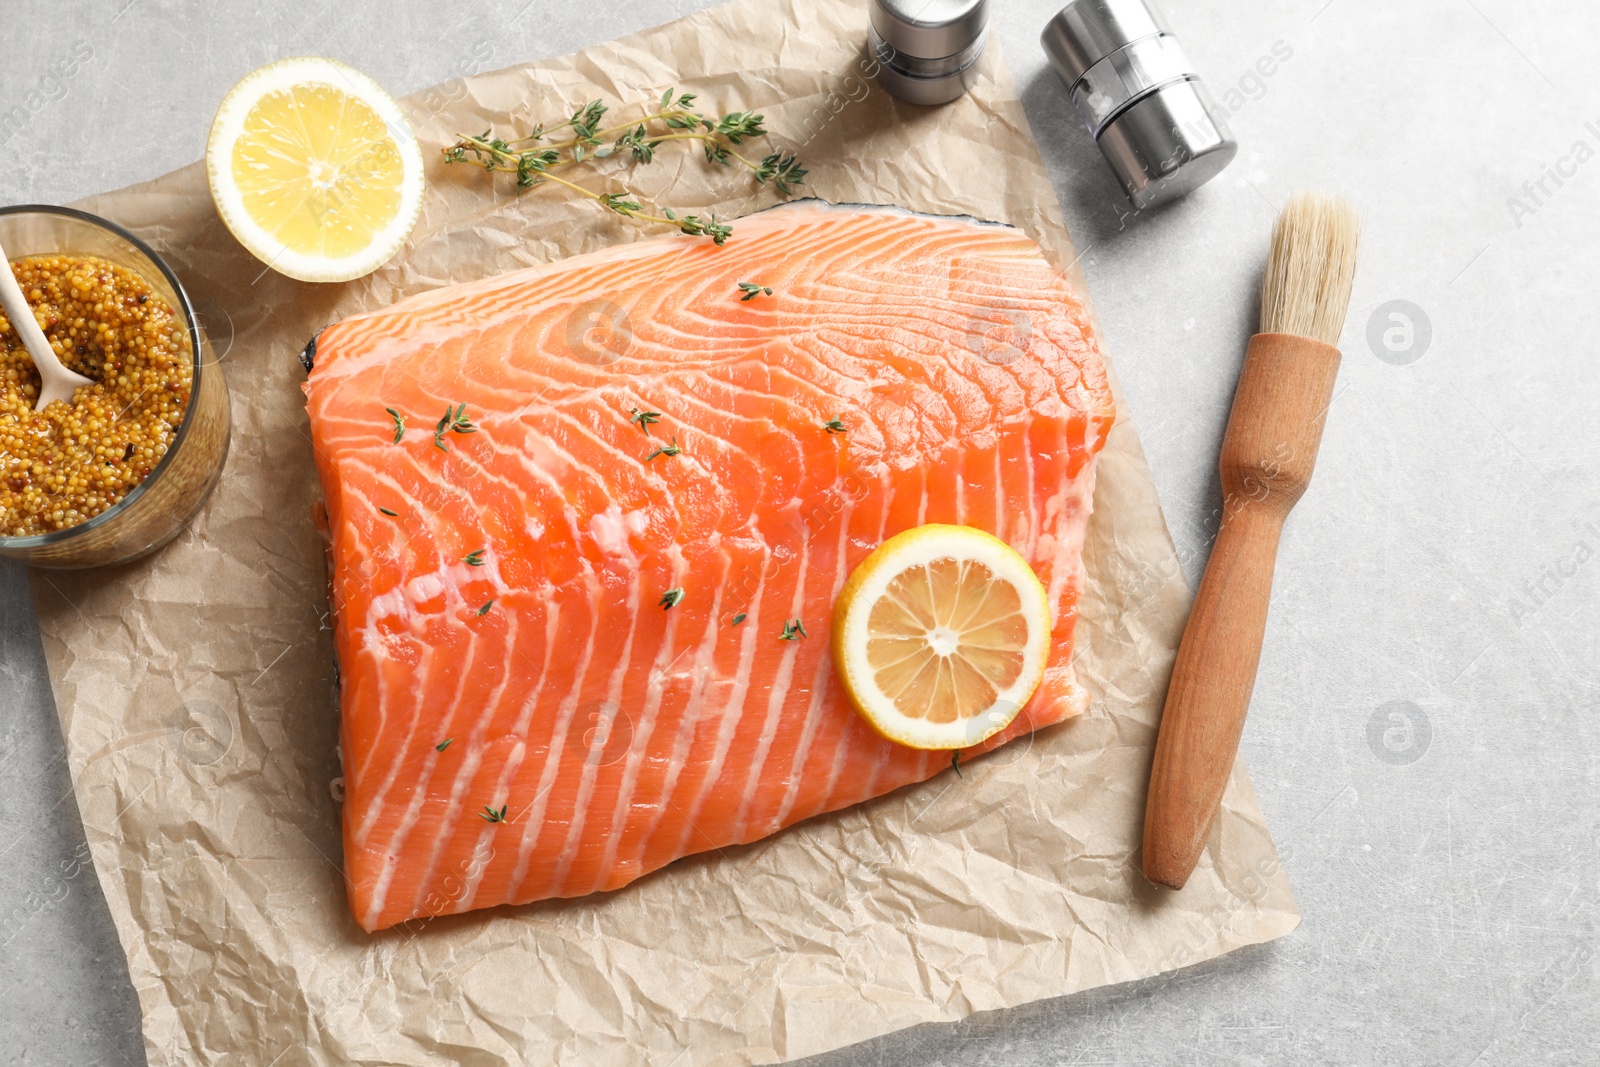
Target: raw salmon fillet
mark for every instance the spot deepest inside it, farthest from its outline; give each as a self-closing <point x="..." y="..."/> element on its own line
<point x="522" y="718"/>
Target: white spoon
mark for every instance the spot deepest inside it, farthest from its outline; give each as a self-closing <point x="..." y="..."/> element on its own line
<point x="55" y="381"/>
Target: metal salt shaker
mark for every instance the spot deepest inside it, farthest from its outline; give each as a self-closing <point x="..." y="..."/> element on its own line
<point x="927" y="50"/>
<point x="1140" y="97"/>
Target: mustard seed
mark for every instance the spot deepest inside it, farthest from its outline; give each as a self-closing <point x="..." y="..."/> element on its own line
<point x="66" y="464"/>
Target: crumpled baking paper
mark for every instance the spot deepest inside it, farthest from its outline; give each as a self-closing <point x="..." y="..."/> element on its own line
<point x="196" y="687"/>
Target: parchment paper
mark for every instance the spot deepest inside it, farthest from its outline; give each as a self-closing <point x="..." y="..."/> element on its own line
<point x="196" y="687"/>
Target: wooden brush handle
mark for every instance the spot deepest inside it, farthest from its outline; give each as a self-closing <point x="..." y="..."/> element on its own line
<point x="1268" y="454"/>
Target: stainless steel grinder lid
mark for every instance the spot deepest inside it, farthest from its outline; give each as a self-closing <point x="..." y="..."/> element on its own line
<point x="1140" y="97"/>
<point x="927" y="49"/>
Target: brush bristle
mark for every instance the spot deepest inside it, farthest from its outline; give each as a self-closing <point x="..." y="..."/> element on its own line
<point x="1306" y="291"/>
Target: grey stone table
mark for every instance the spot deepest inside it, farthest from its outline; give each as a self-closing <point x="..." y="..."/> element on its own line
<point x="1424" y="734"/>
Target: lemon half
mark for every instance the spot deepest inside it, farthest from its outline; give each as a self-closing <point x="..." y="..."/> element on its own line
<point x="315" y="170"/>
<point x="940" y="636"/>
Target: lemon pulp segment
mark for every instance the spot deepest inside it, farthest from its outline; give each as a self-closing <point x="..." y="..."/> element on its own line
<point x="946" y="639"/>
<point x="317" y="169"/>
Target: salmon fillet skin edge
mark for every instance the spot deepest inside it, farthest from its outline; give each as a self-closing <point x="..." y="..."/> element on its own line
<point x="524" y="713"/>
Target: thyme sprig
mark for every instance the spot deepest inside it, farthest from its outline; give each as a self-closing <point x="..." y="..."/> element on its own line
<point x="752" y="290"/>
<point x="500" y="814"/>
<point x="645" y="419"/>
<point x="399" y="424"/>
<point x="533" y="155"/>
<point x="834" y="425"/>
<point x="695" y="226"/>
<point x="474" y="558"/>
<point x="793" y="630"/>
<point x="671" y="598"/>
<point x="782" y="170"/>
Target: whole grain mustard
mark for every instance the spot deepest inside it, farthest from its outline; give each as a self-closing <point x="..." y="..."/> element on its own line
<point x="68" y="463"/>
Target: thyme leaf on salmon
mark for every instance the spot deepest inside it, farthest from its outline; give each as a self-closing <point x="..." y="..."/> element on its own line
<point x="399" y="424"/>
<point x="455" y="419"/>
<point x="442" y="745"/>
<point x="645" y="419"/>
<point x="793" y="630"/>
<point x="671" y="598"/>
<point x="533" y="155"/>
<point x="834" y="425"/>
<point x="386" y="511"/>
<point x="737" y="619"/>
<point x="487" y="604"/>
<point x="499" y="814"/>
<point x="752" y="290"/>
<point x="474" y="558"/>
<point x="670" y="449"/>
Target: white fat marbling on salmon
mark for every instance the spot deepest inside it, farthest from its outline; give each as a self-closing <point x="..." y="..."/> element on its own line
<point x="405" y="603"/>
<point x="612" y="529"/>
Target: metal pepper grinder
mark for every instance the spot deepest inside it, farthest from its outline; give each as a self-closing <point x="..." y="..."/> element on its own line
<point x="926" y="51"/>
<point x="1140" y="97"/>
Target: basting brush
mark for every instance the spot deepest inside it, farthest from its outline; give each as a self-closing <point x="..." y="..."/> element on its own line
<point x="1268" y="454"/>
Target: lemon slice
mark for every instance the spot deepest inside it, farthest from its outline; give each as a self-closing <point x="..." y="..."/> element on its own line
<point x="941" y="636"/>
<point x="315" y="170"/>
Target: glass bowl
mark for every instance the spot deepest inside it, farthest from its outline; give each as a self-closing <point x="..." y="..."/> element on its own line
<point x="156" y="509"/>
